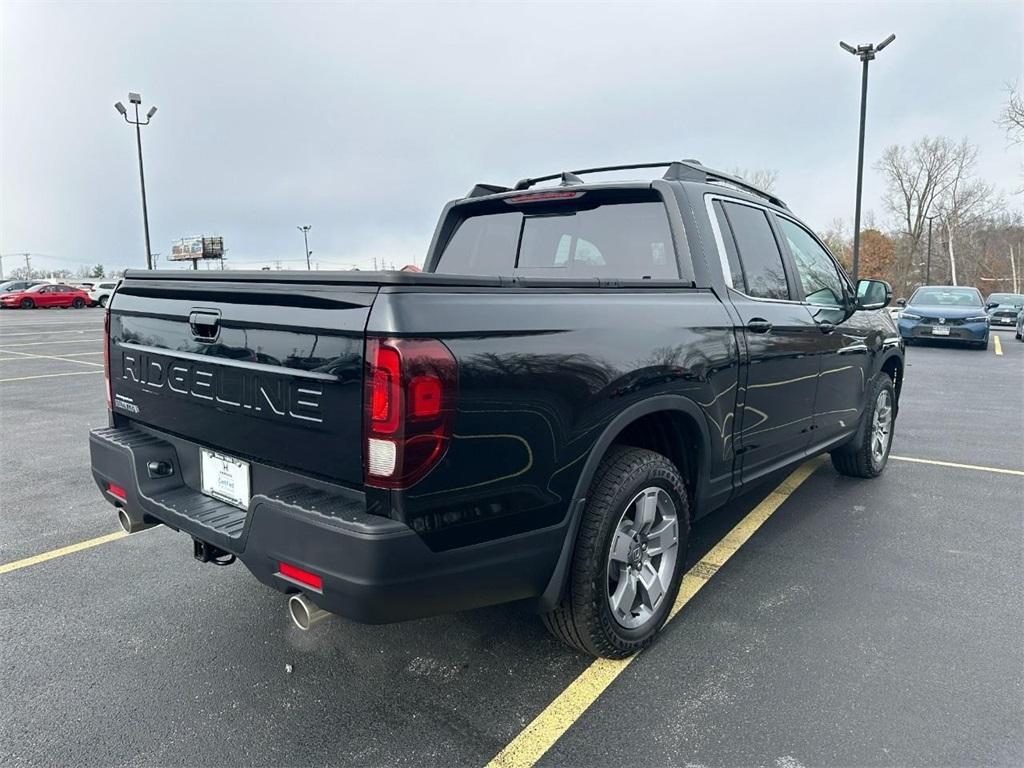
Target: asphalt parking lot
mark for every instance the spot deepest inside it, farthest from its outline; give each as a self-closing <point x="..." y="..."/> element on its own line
<point x="864" y="623"/>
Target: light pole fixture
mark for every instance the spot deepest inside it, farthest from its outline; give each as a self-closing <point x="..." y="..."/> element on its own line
<point x="305" y="239"/>
<point x="865" y="52"/>
<point x="136" y="100"/>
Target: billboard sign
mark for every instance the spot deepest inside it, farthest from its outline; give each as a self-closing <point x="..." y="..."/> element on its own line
<point x="192" y="248"/>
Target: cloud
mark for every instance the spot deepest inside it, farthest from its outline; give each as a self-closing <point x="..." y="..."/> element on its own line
<point x="363" y="119"/>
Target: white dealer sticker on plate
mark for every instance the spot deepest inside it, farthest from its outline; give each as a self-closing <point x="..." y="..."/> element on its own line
<point x="225" y="478"/>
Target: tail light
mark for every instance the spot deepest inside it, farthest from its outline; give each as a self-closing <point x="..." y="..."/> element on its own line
<point x="409" y="404"/>
<point x="106" y="358"/>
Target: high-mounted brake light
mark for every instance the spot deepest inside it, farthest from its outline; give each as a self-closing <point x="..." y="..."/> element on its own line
<point x="411" y="386"/>
<point x="106" y="358"/>
<point x="536" y="197"/>
<point x="302" y="576"/>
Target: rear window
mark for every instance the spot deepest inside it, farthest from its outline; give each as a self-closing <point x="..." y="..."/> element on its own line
<point x="629" y="240"/>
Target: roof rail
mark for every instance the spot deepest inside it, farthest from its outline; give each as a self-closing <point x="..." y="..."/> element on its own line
<point x="677" y="170"/>
<point x="693" y="170"/>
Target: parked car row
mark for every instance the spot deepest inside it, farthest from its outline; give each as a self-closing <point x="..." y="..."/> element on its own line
<point x="958" y="313"/>
<point x="31" y="294"/>
<point x="1005" y="310"/>
<point x="44" y="295"/>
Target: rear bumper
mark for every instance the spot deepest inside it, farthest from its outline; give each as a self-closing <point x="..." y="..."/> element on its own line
<point x="374" y="569"/>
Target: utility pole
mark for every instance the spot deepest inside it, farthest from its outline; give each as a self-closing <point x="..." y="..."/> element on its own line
<point x="865" y="52"/>
<point x="136" y="100"/>
<point x="305" y="239"/>
<point x="28" y="265"/>
<point x="928" y="263"/>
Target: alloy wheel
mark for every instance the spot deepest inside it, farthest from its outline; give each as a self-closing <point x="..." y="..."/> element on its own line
<point x="881" y="428"/>
<point x="642" y="557"/>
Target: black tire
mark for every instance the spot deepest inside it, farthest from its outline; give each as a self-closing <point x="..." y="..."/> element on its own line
<point x="583" y="619"/>
<point x="855" y="459"/>
<point x="27" y="304"/>
<point x="103" y="301"/>
<point x="78" y="303"/>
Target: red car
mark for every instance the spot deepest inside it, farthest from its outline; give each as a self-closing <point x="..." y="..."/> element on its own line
<point x="46" y="295"/>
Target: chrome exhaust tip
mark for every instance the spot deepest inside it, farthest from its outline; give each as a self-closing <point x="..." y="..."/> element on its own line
<point x="130" y="524"/>
<point x="304" y="613"/>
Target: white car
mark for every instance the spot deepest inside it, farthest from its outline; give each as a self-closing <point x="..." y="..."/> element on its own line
<point x="101" y="292"/>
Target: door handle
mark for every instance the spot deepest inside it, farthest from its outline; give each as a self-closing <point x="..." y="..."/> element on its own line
<point x="826" y="327"/>
<point x="759" y="325"/>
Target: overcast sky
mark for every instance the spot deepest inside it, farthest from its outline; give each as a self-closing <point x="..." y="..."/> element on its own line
<point x="362" y="120"/>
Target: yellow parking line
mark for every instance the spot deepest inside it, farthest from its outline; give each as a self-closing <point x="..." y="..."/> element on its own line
<point x="42" y="558"/>
<point x="52" y="375"/>
<point x="540" y="735"/>
<point x="979" y="468"/>
<point x="998" y="343"/>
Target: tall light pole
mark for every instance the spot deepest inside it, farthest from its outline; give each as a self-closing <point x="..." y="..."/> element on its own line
<point x="136" y="100"/>
<point x="305" y="239"/>
<point x="928" y="263"/>
<point x="865" y="52"/>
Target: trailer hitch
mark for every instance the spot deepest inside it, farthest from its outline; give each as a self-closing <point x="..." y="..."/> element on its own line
<point x="207" y="553"/>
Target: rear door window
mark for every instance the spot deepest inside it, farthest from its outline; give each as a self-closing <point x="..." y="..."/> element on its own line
<point x="629" y="240"/>
<point x="759" y="255"/>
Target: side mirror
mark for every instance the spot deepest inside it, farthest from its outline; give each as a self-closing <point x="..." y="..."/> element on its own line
<point x="901" y="302"/>
<point x="992" y="305"/>
<point x="873" y="294"/>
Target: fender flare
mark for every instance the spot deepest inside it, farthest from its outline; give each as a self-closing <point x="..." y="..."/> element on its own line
<point x="555" y="588"/>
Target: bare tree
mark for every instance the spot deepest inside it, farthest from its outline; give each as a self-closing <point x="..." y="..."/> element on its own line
<point x="917" y="179"/>
<point x="835" y="237"/>
<point x="762" y="178"/>
<point x="1011" y="119"/>
<point x="966" y="201"/>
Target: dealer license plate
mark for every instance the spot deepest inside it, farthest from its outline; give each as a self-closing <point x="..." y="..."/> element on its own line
<point x="940" y="330"/>
<point x="225" y="478"/>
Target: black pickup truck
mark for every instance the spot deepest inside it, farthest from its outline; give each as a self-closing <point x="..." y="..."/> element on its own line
<point x="582" y="369"/>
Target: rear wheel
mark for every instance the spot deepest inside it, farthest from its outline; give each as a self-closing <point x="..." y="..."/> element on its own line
<point x="629" y="556"/>
<point x="103" y="301"/>
<point x="868" y="456"/>
<point x="27" y="304"/>
<point x="78" y="303"/>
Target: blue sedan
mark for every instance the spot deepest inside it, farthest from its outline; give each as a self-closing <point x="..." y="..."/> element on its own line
<point x="945" y="313"/>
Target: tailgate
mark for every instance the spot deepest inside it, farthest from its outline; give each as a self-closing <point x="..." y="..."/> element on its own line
<point x="269" y="372"/>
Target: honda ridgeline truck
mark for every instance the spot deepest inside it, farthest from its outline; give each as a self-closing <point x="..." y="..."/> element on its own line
<point x="581" y="370"/>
